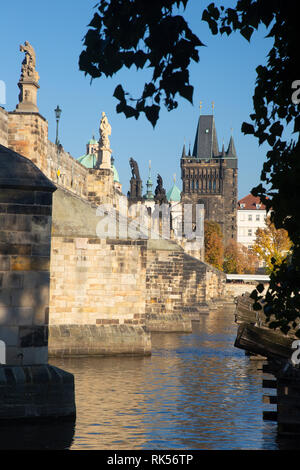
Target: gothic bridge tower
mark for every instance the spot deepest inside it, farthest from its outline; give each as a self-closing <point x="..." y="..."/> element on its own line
<point x="209" y="177"/>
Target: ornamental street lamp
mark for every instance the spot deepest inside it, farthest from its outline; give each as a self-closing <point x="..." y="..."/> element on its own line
<point x="57" y="115"/>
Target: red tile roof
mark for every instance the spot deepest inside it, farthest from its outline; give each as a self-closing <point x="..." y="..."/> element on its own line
<point x="250" y="203"/>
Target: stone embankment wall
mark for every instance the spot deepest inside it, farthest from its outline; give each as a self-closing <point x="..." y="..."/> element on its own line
<point x="234" y="289"/>
<point x="97" y="293"/>
<point x="202" y="284"/>
<point x="164" y="282"/>
<point x="178" y="287"/>
<point x="103" y="290"/>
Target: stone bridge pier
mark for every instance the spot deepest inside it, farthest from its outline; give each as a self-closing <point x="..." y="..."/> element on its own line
<point x="30" y="388"/>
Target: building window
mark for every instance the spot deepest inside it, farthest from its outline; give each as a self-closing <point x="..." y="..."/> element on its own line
<point x="257" y="217"/>
<point x="250" y="232"/>
<point x="249" y="216"/>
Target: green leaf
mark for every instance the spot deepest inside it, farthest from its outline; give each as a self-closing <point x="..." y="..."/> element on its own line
<point x="247" y="128"/>
<point x="260" y="288"/>
<point x="152" y="113"/>
<point x="119" y="93"/>
<point x="187" y="92"/>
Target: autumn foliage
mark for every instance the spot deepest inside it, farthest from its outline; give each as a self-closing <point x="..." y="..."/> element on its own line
<point x="213" y="240"/>
<point x="238" y="259"/>
<point x="272" y="245"/>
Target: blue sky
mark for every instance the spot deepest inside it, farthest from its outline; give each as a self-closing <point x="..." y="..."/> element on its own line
<point x="225" y="74"/>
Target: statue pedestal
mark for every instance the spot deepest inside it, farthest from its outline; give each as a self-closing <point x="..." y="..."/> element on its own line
<point x="104" y="158"/>
<point x="135" y="189"/>
<point x="28" y="96"/>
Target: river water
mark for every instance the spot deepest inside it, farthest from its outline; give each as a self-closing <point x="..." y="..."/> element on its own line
<point x="196" y="391"/>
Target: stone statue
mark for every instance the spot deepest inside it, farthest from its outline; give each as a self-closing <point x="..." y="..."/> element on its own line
<point x="28" y="65"/>
<point x="160" y="192"/>
<point x="105" y="131"/>
<point x="135" y="182"/>
<point x="134" y="169"/>
<point x="28" y="83"/>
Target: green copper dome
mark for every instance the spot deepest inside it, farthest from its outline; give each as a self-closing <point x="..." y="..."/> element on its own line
<point x="116" y="174"/>
<point x="88" y="160"/>
<point x="92" y="142"/>
<point x="173" y="195"/>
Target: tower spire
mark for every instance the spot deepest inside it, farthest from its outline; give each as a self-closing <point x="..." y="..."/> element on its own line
<point x="149" y="184"/>
<point x="231" y="152"/>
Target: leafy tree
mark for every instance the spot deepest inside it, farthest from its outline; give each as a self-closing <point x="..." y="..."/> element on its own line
<point x="238" y="259"/>
<point x="272" y="245"/>
<point x="213" y="244"/>
<point x="160" y="38"/>
<point x="157" y="38"/>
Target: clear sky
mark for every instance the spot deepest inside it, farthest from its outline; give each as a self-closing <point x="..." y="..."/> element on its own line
<point x="225" y="74"/>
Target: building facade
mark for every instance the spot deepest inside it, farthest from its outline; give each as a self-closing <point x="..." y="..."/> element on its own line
<point x="251" y="215"/>
<point x="210" y="177"/>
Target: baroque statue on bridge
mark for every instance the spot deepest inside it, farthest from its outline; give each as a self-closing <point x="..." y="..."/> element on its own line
<point x="134" y="169"/>
<point x="160" y="192"/>
<point x="28" y="65"/>
<point x="105" y="131"/>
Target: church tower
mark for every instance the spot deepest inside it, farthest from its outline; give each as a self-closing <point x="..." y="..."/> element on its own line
<point x="209" y="177"/>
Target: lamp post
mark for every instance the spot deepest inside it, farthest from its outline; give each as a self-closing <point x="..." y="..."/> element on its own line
<point x="57" y="115"/>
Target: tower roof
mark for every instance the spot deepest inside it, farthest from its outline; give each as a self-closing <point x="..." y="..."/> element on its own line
<point x="173" y="195"/>
<point x="231" y="152"/>
<point x="206" y="142"/>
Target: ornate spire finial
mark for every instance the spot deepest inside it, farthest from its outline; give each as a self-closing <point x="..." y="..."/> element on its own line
<point x="213" y="106"/>
<point x="150" y="169"/>
<point x="200" y="106"/>
<point x="174" y="177"/>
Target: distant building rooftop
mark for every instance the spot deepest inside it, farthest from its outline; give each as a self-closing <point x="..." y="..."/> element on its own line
<point x="251" y="203"/>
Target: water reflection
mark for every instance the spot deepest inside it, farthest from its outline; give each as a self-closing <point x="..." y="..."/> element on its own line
<point x="196" y="391"/>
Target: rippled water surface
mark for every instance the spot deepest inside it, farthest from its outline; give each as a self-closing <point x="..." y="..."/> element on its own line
<point x="196" y="391"/>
